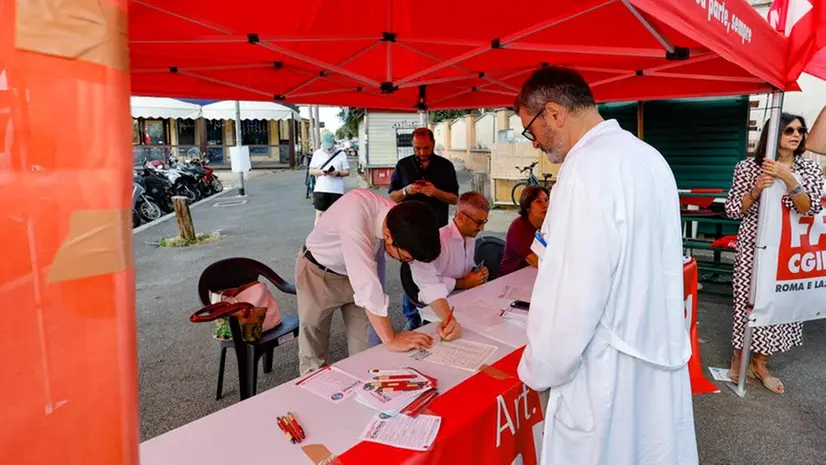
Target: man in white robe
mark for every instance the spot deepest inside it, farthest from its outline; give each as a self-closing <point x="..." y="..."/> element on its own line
<point x="606" y="329"/>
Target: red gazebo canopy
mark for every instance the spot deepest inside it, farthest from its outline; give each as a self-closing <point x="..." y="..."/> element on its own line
<point x="408" y="54"/>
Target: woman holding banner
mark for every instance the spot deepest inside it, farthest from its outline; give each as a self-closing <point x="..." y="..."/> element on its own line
<point x="804" y="182"/>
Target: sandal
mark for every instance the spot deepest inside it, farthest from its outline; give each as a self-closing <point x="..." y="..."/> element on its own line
<point x="771" y="383"/>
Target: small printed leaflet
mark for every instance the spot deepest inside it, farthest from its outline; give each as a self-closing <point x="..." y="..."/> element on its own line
<point x="402" y="431"/>
<point x="330" y="383"/>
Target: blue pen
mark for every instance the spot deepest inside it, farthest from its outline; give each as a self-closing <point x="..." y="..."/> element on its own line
<point x="541" y="239"/>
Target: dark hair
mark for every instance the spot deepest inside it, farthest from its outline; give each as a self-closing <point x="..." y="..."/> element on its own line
<point x="529" y="194"/>
<point x="786" y="119"/>
<point x="556" y="84"/>
<point x="424" y="132"/>
<point x="414" y="228"/>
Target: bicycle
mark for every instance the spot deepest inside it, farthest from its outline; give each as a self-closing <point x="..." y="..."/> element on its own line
<point x="531" y="180"/>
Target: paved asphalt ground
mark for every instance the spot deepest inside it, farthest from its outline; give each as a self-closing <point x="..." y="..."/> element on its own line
<point x="178" y="360"/>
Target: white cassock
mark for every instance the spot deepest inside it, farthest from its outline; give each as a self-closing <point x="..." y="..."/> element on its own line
<point x="606" y="330"/>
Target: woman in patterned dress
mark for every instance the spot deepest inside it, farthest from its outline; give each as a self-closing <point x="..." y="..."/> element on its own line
<point x="804" y="182"/>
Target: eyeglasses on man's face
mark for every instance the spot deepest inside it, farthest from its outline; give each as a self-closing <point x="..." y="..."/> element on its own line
<point x="526" y="133"/>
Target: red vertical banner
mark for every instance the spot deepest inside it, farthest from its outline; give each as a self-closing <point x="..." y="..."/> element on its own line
<point x="490" y="419"/>
<point x="68" y="387"/>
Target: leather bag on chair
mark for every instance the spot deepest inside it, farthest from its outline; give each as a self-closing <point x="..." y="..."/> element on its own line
<point x="255" y="293"/>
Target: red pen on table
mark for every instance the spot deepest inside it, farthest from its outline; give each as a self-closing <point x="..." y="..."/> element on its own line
<point x="287" y="433"/>
<point x="297" y="426"/>
<point x="392" y="377"/>
<point x="291" y="429"/>
<point x="447" y="321"/>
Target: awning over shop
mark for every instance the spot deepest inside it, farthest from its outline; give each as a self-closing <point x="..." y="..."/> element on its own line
<point x="431" y="54"/>
<point x="249" y="111"/>
<point x="147" y="107"/>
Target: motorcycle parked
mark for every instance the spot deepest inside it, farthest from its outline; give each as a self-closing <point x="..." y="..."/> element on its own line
<point x="142" y="206"/>
<point x="158" y="188"/>
<point x="208" y="183"/>
<point x="184" y="183"/>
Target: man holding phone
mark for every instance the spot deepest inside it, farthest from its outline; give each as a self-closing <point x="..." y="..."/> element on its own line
<point x="426" y="177"/>
<point x="329" y="165"/>
<point x="429" y="178"/>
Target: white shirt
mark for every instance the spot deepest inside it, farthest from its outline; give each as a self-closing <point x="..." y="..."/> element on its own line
<point x="438" y="278"/>
<point x="606" y="329"/>
<point x="346" y="240"/>
<point x="330" y="184"/>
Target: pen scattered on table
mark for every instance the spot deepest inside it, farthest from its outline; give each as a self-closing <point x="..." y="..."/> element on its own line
<point x="292" y="430"/>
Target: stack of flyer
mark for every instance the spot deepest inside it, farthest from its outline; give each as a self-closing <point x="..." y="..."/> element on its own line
<point x="406" y="391"/>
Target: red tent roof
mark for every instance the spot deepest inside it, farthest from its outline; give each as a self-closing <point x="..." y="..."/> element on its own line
<point x="388" y="54"/>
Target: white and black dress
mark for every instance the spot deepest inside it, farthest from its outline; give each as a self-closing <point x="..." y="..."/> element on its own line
<point x="776" y="338"/>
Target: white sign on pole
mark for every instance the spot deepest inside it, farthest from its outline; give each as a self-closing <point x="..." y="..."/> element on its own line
<point x="240" y="159"/>
<point x="790" y="284"/>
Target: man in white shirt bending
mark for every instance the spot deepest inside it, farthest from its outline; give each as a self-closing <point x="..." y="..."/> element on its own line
<point x="454" y="268"/>
<point x="606" y="328"/>
<point x="330" y="167"/>
<point x="337" y="269"/>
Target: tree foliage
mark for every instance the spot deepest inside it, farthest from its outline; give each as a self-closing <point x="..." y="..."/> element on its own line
<point x="437" y="116"/>
<point x="350" y="116"/>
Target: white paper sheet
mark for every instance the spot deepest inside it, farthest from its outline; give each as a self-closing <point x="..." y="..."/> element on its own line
<point x="484" y="313"/>
<point x="330" y="383"/>
<point x="516" y="293"/>
<point x="461" y="353"/>
<point x="719" y="374"/>
<point x="402" y="431"/>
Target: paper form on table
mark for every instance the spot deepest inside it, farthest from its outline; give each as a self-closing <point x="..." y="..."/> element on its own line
<point x="403" y="431"/>
<point x="516" y="293"/>
<point x="331" y="383"/>
<point x="461" y="353"/>
<point x="487" y="314"/>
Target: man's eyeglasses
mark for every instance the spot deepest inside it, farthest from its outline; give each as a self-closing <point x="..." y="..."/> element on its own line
<point x="790" y="130"/>
<point x="477" y="222"/>
<point x="526" y="133"/>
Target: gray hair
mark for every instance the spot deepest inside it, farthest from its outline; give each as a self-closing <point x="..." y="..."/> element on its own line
<point x="557" y="84"/>
<point x="474" y="200"/>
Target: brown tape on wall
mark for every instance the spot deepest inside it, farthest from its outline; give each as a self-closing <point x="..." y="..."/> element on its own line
<point x="94" y="31"/>
<point x="319" y="454"/>
<point x="97" y="243"/>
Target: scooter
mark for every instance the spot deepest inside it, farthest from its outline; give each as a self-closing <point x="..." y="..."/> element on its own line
<point x="146" y="208"/>
<point x="158" y="188"/>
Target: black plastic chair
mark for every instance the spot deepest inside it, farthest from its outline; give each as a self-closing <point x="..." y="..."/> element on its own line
<point x="234" y="272"/>
<point x="411" y="290"/>
<point x="490" y="249"/>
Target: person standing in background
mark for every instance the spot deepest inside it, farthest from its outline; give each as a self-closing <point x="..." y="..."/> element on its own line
<point x="606" y="327"/>
<point x="330" y="167"/>
<point x="803" y="180"/>
<point x="428" y="178"/>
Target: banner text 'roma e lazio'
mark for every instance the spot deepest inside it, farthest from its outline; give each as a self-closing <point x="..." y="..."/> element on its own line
<point x="791" y="279"/>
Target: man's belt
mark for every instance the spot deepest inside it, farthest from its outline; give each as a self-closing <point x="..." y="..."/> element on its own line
<point x="309" y="256"/>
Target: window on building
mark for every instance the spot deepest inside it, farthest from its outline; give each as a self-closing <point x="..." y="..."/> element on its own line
<point x="255" y="132"/>
<point x="136" y="132"/>
<point x="155" y="132"/>
<point x="215" y="132"/>
<point x="186" y="131"/>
